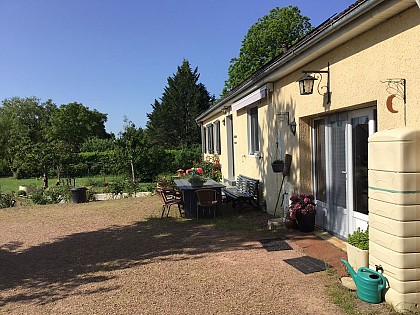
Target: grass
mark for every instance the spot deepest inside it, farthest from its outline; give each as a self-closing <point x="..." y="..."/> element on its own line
<point x="349" y="302"/>
<point x="9" y="184"/>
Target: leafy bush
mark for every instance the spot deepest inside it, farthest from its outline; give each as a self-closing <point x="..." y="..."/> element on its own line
<point x="186" y="157"/>
<point x="51" y="195"/>
<point x="7" y="200"/>
<point x="38" y="197"/>
<point x="211" y="168"/>
<point x="359" y="239"/>
<point x="116" y="188"/>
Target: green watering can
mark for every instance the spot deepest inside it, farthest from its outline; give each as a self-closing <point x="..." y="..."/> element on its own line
<point x="369" y="283"/>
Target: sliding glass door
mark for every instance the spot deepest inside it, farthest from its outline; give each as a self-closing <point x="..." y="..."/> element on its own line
<point x="340" y="170"/>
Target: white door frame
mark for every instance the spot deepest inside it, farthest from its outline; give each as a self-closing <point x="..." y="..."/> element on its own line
<point x="329" y="213"/>
<point x="356" y="219"/>
<point x="230" y="150"/>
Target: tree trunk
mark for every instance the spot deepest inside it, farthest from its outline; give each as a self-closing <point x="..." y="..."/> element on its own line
<point x="45" y="177"/>
<point x="132" y="170"/>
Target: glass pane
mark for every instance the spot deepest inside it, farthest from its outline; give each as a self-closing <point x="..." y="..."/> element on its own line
<point x="255" y="146"/>
<point x="360" y="163"/>
<point x="320" y="165"/>
<point x="338" y="163"/>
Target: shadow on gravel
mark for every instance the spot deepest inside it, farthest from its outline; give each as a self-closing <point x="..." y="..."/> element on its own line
<point x="53" y="271"/>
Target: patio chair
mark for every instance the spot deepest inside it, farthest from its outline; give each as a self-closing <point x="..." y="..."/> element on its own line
<point x="170" y="197"/>
<point x="207" y="199"/>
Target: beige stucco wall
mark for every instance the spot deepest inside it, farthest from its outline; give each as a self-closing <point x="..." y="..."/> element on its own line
<point x="390" y="50"/>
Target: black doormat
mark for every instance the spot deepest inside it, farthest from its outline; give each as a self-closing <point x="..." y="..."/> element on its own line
<point x="275" y="244"/>
<point x="307" y="264"/>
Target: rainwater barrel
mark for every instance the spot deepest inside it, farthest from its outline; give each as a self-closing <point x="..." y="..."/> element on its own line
<point x="78" y="194"/>
<point x="394" y="213"/>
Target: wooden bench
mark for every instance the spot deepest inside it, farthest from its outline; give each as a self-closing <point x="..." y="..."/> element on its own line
<point x="245" y="191"/>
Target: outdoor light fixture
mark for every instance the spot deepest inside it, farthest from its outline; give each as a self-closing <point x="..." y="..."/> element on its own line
<point x="306" y="82"/>
<point x="292" y="124"/>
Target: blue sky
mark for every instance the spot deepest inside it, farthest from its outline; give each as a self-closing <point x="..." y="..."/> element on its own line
<point x="116" y="55"/>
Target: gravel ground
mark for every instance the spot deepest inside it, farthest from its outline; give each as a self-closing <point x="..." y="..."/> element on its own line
<point x="119" y="257"/>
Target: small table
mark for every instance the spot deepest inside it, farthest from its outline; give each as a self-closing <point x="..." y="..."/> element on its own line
<point x="190" y="198"/>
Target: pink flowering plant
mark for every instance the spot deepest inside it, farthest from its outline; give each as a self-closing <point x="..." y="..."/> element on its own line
<point x="301" y="205"/>
<point x="198" y="171"/>
<point x="195" y="175"/>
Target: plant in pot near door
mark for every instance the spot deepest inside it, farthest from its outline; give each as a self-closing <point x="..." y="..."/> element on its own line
<point x="302" y="210"/>
<point x="277" y="166"/>
<point x="358" y="249"/>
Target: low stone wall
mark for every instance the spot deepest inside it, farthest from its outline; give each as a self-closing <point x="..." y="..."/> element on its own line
<point x="110" y="196"/>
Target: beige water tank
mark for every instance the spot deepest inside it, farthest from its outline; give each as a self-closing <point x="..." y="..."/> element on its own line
<point x="394" y="213"/>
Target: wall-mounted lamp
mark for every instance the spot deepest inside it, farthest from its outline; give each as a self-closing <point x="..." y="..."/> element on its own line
<point x="306" y="83"/>
<point x="292" y="124"/>
<point x="224" y="121"/>
<point x="224" y="110"/>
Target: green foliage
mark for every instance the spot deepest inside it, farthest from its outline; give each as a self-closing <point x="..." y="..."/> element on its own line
<point x="211" y="168"/>
<point x="39" y="197"/>
<point x="185" y="157"/>
<point x="359" y="239"/>
<point x="172" y="122"/>
<point x="73" y="124"/>
<point x="7" y="200"/>
<point x="51" y="195"/>
<point x="95" y="144"/>
<point x="264" y="41"/>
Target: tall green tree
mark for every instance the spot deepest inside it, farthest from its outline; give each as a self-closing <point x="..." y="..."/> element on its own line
<point x="264" y="41"/>
<point x="137" y="155"/>
<point x="72" y="124"/>
<point x="23" y="136"/>
<point x="172" y="121"/>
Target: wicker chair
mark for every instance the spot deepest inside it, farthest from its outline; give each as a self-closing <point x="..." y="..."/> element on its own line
<point x="170" y="197"/>
<point x="207" y="199"/>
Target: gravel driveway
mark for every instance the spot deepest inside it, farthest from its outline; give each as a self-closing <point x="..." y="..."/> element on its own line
<point x="118" y="257"/>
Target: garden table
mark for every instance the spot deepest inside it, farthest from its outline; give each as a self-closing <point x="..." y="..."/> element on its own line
<point x="190" y="198"/>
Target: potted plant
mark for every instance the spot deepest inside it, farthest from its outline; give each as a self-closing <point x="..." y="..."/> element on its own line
<point x="195" y="176"/>
<point x="277" y="166"/>
<point x="302" y="210"/>
<point x="358" y="249"/>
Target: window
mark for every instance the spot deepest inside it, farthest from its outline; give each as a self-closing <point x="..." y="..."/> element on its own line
<point x="320" y="164"/>
<point x="210" y="141"/>
<point x="253" y="133"/>
<point x="217" y="137"/>
<point x="203" y="140"/>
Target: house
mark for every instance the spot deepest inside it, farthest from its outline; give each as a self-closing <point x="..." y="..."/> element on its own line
<point x="365" y="62"/>
<point x="354" y="76"/>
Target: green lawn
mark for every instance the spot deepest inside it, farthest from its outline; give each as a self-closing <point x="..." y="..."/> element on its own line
<point x="9" y="184"/>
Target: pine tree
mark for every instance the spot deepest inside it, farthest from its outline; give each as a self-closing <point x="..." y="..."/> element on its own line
<point x="172" y="121"/>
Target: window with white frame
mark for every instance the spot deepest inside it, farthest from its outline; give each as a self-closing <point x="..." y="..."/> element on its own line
<point x="210" y="139"/>
<point x="253" y="131"/>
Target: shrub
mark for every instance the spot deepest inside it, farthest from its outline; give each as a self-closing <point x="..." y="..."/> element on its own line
<point x="359" y="239"/>
<point x="211" y="168"/>
<point x="7" y="200"/>
<point x="51" y="195"/>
